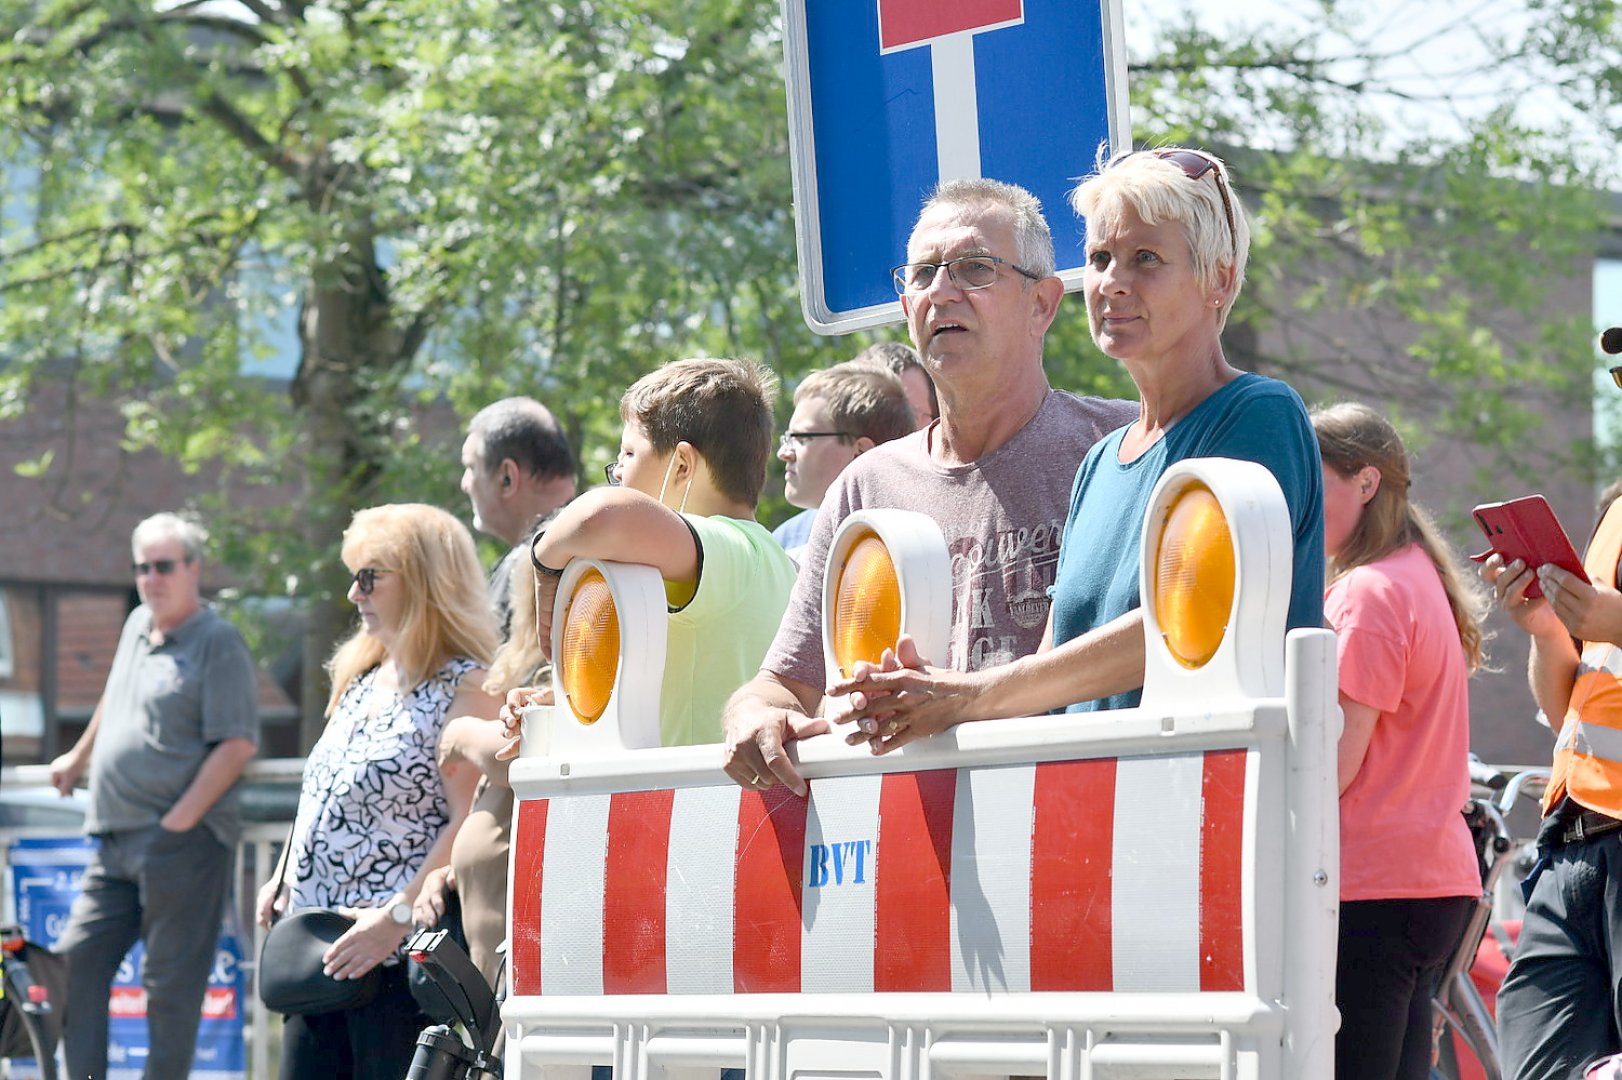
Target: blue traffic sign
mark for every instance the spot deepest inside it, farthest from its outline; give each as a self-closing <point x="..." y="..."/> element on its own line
<point x="887" y="98"/>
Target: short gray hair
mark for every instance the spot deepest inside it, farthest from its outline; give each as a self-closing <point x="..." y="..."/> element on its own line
<point x="192" y="536"/>
<point x="1033" y="240"/>
<point x="1159" y="190"/>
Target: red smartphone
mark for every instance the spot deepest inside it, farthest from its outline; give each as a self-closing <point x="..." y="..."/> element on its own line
<point x="1526" y="529"/>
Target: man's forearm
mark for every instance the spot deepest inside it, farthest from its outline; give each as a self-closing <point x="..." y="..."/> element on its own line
<point x="1551" y="669"/>
<point x="220" y="769"/>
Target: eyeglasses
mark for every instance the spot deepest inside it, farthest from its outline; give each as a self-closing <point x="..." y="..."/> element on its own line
<point x="968" y="272"/>
<point x="613" y="477"/>
<point x="796" y="440"/>
<point x="365" y="579"/>
<point x="1616" y="376"/>
<point x="1195" y="164"/>
<point x="161" y="567"/>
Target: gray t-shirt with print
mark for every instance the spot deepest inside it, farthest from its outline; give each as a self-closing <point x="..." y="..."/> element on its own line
<point x="165" y="708"/>
<point x="1001" y="516"/>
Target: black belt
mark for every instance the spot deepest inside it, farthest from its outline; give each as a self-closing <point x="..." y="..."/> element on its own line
<point x="1587" y="825"/>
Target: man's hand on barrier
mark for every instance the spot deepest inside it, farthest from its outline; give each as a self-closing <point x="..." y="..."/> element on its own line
<point x="1589" y="611"/>
<point x="761" y="717"/>
<point x="902" y="698"/>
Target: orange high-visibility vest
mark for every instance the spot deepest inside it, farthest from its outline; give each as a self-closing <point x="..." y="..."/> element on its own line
<point x="1588" y="755"/>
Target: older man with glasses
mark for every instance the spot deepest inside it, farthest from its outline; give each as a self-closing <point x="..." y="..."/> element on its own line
<point x="995" y="471"/>
<point x="176" y="723"/>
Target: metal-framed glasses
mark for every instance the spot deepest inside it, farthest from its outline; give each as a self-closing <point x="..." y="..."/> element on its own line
<point x="796" y="440"/>
<point x="967" y="272"/>
<point x="161" y="567"/>
<point x="611" y="474"/>
<point x="1616" y="376"/>
<point x="1195" y="164"/>
<point x="365" y="579"/>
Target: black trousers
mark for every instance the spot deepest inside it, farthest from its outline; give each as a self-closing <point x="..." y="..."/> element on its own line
<point x="1391" y="955"/>
<point x="1561" y="1004"/>
<point x="373" y="1042"/>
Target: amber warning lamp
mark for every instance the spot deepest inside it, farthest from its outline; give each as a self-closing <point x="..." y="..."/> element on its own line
<point x="608" y="653"/>
<point x="1215" y="578"/>
<point x="888" y="573"/>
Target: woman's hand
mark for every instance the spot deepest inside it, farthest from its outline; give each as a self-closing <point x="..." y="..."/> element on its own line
<point x="512" y="715"/>
<point x="902" y="698"/>
<point x="365" y="945"/>
<point x="435" y="894"/>
<point x="1509" y="584"/>
<point x="272" y="902"/>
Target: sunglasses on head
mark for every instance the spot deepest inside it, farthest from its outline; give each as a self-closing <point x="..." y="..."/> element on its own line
<point x="1195" y="164"/>
<point x="365" y="579"/>
<point x="161" y="567"/>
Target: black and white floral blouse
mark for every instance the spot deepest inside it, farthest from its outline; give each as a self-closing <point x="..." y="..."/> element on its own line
<point x="373" y="801"/>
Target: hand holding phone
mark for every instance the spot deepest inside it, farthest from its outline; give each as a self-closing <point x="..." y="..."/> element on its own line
<point x="1526" y="529"/>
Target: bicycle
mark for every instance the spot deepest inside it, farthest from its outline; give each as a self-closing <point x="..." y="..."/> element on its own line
<point x="1463" y="1021"/>
<point x="29" y="1023"/>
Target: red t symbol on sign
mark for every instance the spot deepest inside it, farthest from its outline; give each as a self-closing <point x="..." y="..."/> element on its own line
<point x="905" y="23"/>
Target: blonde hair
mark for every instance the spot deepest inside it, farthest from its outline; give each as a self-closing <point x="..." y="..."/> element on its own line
<point x="1159" y="190"/>
<point x="519" y="661"/>
<point x="446" y="609"/>
<point x="1352" y="435"/>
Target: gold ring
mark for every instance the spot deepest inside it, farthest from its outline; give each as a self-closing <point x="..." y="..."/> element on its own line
<point x="754" y="781"/>
<point x="892" y="727"/>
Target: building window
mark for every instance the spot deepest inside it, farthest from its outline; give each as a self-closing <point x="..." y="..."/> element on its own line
<point x="8" y="648"/>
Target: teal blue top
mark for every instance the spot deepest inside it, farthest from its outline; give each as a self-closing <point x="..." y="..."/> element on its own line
<point x="1252" y="418"/>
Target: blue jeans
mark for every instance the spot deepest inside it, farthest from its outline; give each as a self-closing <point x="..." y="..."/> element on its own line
<point x="167" y="890"/>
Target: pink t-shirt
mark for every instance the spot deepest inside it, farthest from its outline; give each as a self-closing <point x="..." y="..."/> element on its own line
<point x="1401" y="832"/>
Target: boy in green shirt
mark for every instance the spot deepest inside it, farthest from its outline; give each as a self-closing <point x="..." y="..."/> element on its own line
<point x="692" y="462"/>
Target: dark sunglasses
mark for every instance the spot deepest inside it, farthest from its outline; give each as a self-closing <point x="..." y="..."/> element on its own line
<point x="1616" y="376"/>
<point x="161" y="567"/>
<point x="365" y="579"/>
<point x="1195" y="165"/>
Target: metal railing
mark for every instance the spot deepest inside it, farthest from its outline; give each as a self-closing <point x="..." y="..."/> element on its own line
<point x="29" y="807"/>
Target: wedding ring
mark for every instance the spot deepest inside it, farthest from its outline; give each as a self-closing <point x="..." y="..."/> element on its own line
<point x="754" y="781"/>
<point x="892" y="727"/>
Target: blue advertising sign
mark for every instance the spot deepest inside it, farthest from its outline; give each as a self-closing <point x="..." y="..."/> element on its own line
<point x="45" y="876"/>
<point x="887" y="98"/>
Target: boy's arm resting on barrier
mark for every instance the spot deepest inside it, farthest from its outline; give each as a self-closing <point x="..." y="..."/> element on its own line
<point x="903" y="699"/>
<point x="764" y="714"/>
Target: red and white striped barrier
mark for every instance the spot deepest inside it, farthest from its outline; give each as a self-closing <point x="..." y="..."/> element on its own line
<point x="1085" y="875"/>
<point x="1146" y="893"/>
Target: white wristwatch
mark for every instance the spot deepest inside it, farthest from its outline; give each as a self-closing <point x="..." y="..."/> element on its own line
<point x="400" y="913"/>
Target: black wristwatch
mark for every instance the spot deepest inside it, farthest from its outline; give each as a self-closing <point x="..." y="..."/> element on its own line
<point x="540" y="567"/>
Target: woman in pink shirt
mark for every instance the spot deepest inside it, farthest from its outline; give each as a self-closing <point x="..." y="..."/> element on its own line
<point x="1408" y="624"/>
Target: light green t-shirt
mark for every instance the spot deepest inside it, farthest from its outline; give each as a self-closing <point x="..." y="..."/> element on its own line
<point x="718" y="637"/>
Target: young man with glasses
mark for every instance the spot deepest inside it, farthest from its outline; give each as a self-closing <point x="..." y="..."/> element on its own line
<point x="165" y="748"/>
<point x="840" y="413"/>
<point x="994" y="471"/>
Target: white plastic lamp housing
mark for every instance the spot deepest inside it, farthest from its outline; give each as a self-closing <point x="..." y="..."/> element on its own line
<point x="1249" y="661"/>
<point x="630" y="718"/>
<point x="923" y="574"/>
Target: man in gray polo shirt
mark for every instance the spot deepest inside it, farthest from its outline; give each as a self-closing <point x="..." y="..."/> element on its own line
<point x="165" y="748"/>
